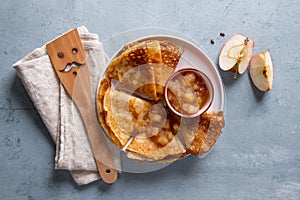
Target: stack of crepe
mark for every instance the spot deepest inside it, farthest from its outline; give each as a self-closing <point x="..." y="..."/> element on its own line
<point x="132" y="112"/>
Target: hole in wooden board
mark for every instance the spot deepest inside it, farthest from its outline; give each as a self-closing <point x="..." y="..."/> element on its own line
<point x="60" y="55"/>
<point x="74" y="50"/>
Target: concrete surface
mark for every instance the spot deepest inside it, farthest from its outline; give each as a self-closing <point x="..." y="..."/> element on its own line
<point x="258" y="155"/>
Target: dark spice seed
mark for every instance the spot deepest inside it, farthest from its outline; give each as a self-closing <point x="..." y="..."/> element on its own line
<point x="222" y="34"/>
<point x="212" y="41"/>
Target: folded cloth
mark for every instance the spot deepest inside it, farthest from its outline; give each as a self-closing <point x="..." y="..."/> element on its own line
<point x="57" y="110"/>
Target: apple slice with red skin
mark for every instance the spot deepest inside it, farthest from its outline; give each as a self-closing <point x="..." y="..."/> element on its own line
<point x="261" y="71"/>
<point x="235" y="54"/>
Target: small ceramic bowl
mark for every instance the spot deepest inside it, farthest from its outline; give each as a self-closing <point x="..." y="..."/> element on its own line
<point x="202" y="81"/>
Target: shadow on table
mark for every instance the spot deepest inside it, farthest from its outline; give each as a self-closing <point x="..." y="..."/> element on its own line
<point x="259" y="95"/>
<point x="21" y="101"/>
<point x="182" y="169"/>
<point x="18" y="97"/>
<point x="228" y="80"/>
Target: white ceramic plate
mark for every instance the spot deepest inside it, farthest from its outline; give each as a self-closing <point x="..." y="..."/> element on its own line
<point x="192" y="56"/>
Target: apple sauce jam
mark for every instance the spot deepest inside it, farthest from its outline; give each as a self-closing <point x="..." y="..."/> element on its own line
<point x="187" y="92"/>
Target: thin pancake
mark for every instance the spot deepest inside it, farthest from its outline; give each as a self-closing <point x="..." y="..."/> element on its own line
<point x="170" y="55"/>
<point x="209" y="130"/>
<point x="102" y="113"/>
<point x="133" y="68"/>
<point x="145" y="66"/>
<point x="169" y="153"/>
<point x="121" y="114"/>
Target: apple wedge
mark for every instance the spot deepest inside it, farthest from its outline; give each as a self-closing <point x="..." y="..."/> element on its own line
<point x="261" y="71"/>
<point x="235" y="54"/>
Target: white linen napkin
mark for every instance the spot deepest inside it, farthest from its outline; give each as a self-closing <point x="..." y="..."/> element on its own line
<point x="57" y="110"/>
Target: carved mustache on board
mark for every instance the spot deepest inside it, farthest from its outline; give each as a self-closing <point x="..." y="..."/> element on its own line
<point x="69" y="66"/>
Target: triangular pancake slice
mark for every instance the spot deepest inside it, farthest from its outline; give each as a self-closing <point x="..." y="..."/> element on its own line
<point x="169" y="153"/>
<point x="122" y="114"/>
<point x="145" y="66"/>
<point x="133" y="68"/>
<point x="170" y="55"/>
<point x="207" y="133"/>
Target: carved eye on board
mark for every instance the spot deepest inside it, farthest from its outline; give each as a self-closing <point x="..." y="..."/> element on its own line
<point x="60" y="55"/>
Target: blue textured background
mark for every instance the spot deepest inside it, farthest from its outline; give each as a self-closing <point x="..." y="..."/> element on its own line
<point x="258" y="155"/>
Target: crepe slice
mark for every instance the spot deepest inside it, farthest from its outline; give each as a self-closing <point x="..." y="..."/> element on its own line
<point x="132" y="68"/>
<point x="209" y="130"/>
<point x="144" y="67"/>
<point x="122" y="114"/>
<point x="170" y="54"/>
<point x="169" y="153"/>
<point x="127" y="46"/>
